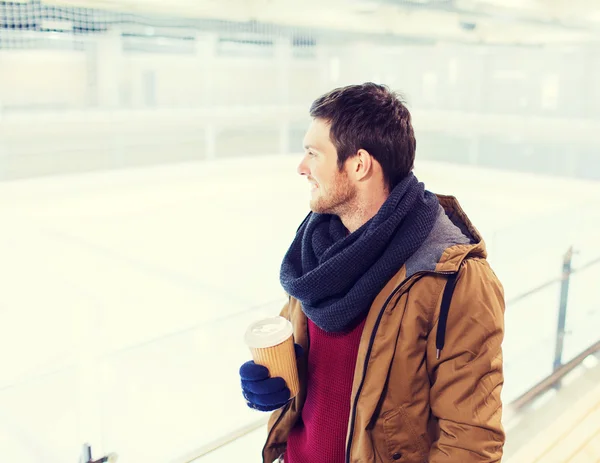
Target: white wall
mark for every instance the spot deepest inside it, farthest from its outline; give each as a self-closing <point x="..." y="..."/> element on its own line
<point x="38" y="78"/>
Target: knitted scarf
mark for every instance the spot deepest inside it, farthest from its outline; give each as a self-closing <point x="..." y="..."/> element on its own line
<point x="336" y="275"/>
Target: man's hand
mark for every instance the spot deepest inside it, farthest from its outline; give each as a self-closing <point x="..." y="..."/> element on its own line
<point x="260" y="390"/>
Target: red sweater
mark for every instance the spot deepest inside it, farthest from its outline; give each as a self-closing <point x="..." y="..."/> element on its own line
<point x="320" y="434"/>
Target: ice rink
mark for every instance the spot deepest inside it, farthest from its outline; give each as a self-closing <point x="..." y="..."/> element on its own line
<point x="125" y="294"/>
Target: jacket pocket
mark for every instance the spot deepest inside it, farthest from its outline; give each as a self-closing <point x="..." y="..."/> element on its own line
<point x="404" y="444"/>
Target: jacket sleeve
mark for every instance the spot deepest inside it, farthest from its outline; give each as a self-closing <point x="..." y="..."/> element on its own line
<point x="285" y="310"/>
<point x="280" y="421"/>
<point x="467" y="379"/>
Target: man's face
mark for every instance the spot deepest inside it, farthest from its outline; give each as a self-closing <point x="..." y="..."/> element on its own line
<point x="331" y="189"/>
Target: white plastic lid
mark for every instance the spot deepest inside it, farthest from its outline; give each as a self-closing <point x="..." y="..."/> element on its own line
<point x="268" y="332"/>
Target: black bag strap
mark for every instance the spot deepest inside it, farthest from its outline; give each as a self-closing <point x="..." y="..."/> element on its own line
<point x="444" y="309"/>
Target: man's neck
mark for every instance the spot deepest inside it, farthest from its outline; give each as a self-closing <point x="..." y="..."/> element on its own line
<point x="363" y="211"/>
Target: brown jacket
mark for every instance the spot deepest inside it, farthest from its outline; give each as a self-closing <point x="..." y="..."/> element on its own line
<point x="407" y="404"/>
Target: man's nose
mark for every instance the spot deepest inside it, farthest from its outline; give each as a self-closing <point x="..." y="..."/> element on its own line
<point x="302" y="168"/>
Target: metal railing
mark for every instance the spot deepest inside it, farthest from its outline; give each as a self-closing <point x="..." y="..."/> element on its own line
<point x="560" y="369"/>
<point x="86" y="456"/>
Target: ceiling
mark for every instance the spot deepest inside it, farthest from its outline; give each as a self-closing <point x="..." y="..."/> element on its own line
<point x="532" y="22"/>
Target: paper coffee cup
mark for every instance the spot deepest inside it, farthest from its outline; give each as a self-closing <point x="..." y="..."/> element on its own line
<point x="271" y="342"/>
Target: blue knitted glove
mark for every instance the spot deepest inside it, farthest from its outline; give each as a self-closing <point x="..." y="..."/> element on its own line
<point x="260" y="390"/>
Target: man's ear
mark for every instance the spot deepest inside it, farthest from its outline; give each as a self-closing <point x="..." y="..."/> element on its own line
<point x="363" y="164"/>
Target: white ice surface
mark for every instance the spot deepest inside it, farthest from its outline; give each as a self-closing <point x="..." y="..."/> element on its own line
<point x="125" y="295"/>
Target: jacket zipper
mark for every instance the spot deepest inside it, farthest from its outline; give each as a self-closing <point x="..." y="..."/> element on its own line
<point x="370" y="347"/>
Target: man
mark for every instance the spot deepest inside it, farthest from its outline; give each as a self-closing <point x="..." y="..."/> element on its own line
<point x="396" y="310"/>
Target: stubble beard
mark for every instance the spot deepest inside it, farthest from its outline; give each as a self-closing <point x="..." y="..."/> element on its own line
<point x="337" y="200"/>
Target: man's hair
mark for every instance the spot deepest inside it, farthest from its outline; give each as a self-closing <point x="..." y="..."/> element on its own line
<point x="371" y="117"/>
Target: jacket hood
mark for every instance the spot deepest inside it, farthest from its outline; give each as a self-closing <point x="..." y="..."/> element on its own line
<point x="451" y="240"/>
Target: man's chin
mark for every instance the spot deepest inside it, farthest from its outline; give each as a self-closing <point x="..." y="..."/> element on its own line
<point x="318" y="208"/>
<point x="315" y="207"/>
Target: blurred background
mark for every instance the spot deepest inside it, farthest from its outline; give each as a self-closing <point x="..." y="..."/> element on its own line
<point x="148" y="193"/>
